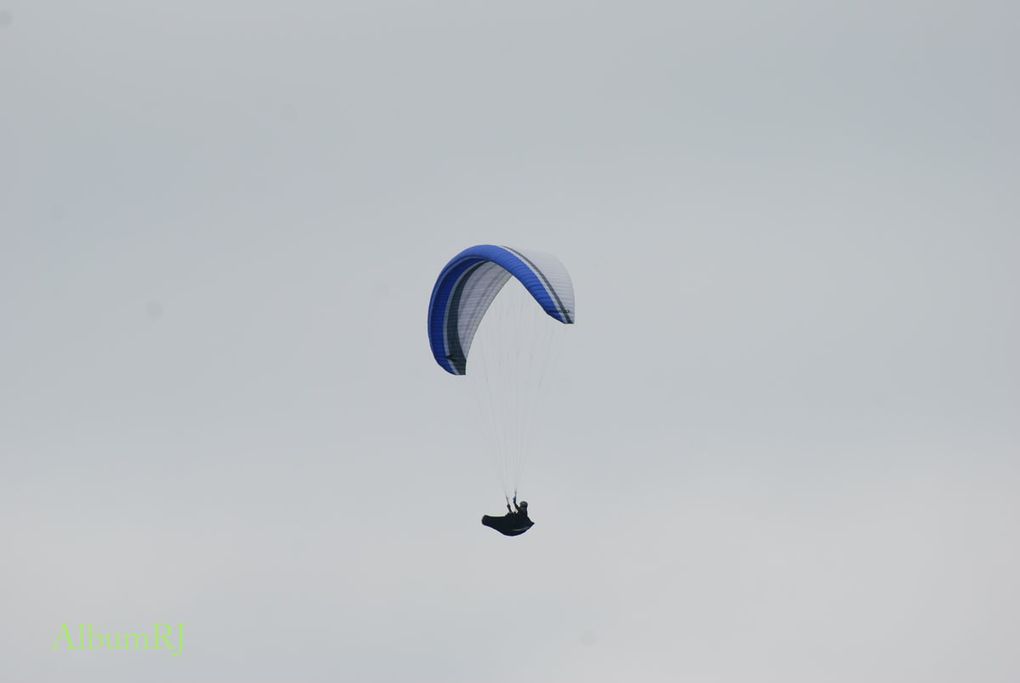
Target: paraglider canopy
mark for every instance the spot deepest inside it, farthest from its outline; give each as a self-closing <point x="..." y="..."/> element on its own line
<point x="471" y="280"/>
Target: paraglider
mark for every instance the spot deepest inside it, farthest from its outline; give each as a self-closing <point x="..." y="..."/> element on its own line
<point x="514" y="522"/>
<point x="513" y="364"/>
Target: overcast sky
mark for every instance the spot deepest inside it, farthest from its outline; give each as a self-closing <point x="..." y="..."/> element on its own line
<point x="786" y="440"/>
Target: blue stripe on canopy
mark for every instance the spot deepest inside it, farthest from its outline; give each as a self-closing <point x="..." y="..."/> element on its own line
<point x="456" y="279"/>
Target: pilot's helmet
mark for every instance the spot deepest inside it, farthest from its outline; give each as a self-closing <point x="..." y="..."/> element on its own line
<point x="523" y="505"/>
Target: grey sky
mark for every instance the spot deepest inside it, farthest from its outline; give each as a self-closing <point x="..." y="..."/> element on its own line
<point x="788" y="442"/>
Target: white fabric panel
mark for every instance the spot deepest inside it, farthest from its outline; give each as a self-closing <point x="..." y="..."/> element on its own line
<point x="557" y="276"/>
<point x="482" y="287"/>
